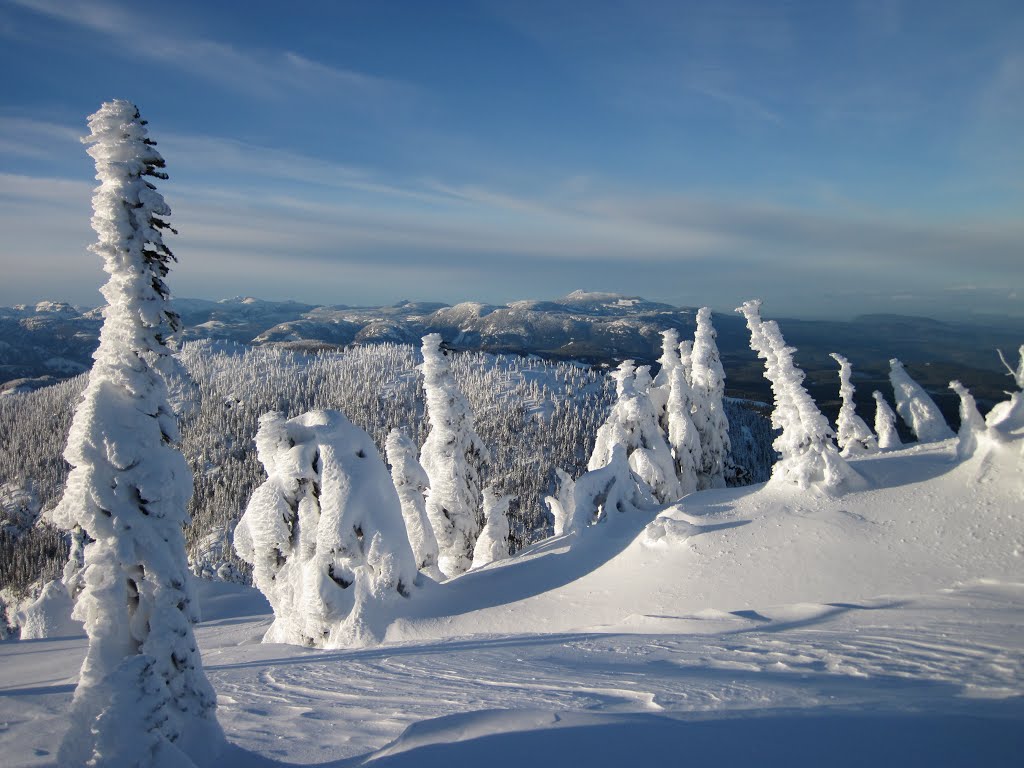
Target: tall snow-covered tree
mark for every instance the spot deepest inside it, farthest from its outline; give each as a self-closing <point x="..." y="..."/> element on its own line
<point x="142" y="696"/>
<point x="324" y="533"/>
<point x="452" y="455"/>
<point x="411" y="482"/>
<point x="808" y="455"/>
<point x="492" y="544"/>
<point x="662" y="385"/>
<point x="707" y="381"/>
<point x="633" y="424"/>
<point x="673" y="402"/>
<point x="916" y="407"/>
<point x="683" y="438"/>
<point x="852" y="434"/>
<point x="885" y="423"/>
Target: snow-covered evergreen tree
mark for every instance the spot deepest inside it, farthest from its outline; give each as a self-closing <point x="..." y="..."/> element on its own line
<point x="672" y="398"/>
<point x="916" y="407"/>
<point x="686" y="357"/>
<point x="972" y="425"/>
<point x="129" y="487"/>
<point x="662" y="385"/>
<point x="492" y="544"/>
<point x="411" y="482"/>
<point x="885" y="423"/>
<point x="563" y="505"/>
<point x="452" y="456"/>
<point x="707" y="380"/>
<point x="683" y="437"/>
<point x="808" y="455"/>
<point x="1006" y="419"/>
<point x="852" y="434"/>
<point x="325" y="533"/>
<point x="614" y="488"/>
<point x="633" y="424"/>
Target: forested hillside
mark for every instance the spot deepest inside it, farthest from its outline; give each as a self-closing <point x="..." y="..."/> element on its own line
<point x="534" y="416"/>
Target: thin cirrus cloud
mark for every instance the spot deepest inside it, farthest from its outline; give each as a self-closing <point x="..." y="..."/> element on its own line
<point x="250" y="212"/>
<point x="257" y="73"/>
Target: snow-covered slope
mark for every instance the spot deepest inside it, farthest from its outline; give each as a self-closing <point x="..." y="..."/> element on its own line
<point x="759" y="625"/>
<point x="769" y="552"/>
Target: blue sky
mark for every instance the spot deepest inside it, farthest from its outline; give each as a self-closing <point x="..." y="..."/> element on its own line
<point x="830" y="157"/>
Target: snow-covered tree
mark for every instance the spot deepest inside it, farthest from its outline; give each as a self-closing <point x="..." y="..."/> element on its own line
<point x="142" y="697"/>
<point x="686" y="357"/>
<point x="562" y="505"/>
<point x="672" y="398"/>
<point x="19" y="509"/>
<point x="614" y="488"/>
<point x="492" y="545"/>
<point x="885" y="423"/>
<point x="852" y="434"/>
<point x="633" y="424"/>
<point x="683" y="438"/>
<point x="662" y="386"/>
<point x="915" y="406"/>
<point x="707" y="380"/>
<point x="808" y="455"/>
<point x="411" y="482"/>
<point x="452" y="456"/>
<point x="1006" y="419"/>
<point x="325" y="533"/>
<point x="972" y="425"/>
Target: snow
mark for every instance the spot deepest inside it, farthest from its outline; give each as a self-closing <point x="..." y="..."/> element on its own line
<point x="142" y="697"/>
<point x="916" y="407"/>
<point x="325" y="533"/>
<point x="763" y="624"/>
<point x="452" y="456"/>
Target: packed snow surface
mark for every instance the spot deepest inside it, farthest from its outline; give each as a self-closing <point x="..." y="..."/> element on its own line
<point x="762" y="625"/>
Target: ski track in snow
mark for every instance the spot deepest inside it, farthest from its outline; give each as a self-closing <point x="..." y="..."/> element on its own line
<point x="329" y="705"/>
<point x="945" y="653"/>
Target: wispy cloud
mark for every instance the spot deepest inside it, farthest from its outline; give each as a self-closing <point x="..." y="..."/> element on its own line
<point x="257" y="73"/>
<point x="742" y="105"/>
<point x="23" y="137"/>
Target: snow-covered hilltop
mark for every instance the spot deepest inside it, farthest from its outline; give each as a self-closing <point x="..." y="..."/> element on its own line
<point x="762" y="620"/>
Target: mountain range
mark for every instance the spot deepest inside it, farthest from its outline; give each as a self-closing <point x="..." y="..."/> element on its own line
<point x="48" y="341"/>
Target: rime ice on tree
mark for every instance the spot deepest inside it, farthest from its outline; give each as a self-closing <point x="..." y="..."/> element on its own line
<point x="673" y="398"/>
<point x="885" y="423"/>
<point x="853" y="435"/>
<point x="411" y="482"/>
<point x="972" y="425"/>
<point x="707" y="381"/>
<point x="916" y="408"/>
<point x="682" y="434"/>
<point x="633" y="424"/>
<point x="600" y="494"/>
<point x="142" y="697"/>
<point x="808" y="456"/>
<point x="493" y="542"/>
<point x="452" y="456"/>
<point x="325" y="533"/>
<point x="1006" y="419"/>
